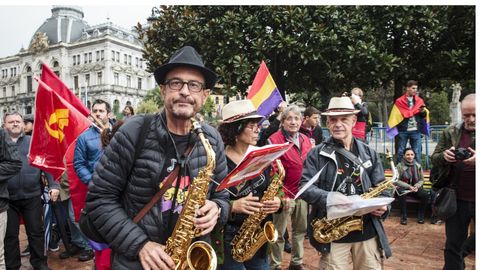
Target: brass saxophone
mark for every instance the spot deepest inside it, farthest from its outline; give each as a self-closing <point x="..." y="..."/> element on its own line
<point x="326" y="231"/>
<point x="251" y="235"/>
<point x="199" y="255"/>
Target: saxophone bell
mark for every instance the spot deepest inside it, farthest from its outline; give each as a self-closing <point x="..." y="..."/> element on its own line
<point x="271" y="234"/>
<point x="201" y="256"/>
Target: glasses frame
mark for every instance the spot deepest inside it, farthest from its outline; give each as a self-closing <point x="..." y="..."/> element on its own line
<point x="167" y="83"/>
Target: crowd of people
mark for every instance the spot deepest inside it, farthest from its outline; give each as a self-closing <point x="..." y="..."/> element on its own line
<point x="149" y="165"/>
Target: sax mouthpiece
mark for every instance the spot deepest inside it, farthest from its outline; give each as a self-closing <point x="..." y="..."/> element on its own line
<point x="196" y="126"/>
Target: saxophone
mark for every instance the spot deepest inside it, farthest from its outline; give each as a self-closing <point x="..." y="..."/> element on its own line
<point x="251" y="235"/>
<point x="199" y="255"/>
<point x="326" y="231"/>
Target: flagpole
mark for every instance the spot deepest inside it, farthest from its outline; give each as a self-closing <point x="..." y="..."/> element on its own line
<point x="95" y="119"/>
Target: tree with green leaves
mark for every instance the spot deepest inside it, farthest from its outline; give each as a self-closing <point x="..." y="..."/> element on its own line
<point x="322" y="51"/>
<point x="208" y="108"/>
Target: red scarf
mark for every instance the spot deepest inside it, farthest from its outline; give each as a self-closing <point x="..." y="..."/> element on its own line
<point x="402" y="105"/>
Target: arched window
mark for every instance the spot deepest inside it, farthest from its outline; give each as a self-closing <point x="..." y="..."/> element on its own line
<point x="28" y="70"/>
<point x="129" y="103"/>
<point x="55" y="64"/>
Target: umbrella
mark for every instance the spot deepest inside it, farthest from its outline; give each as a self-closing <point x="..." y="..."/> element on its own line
<point x="47" y="218"/>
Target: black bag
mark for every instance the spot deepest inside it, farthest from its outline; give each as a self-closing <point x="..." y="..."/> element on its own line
<point x="86" y="224"/>
<point x="445" y="203"/>
<point x="439" y="176"/>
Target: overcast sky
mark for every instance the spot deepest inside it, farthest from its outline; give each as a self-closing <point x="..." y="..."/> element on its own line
<point x="19" y="23"/>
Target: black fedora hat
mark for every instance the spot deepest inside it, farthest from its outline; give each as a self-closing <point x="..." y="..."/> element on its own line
<point x="186" y="56"/>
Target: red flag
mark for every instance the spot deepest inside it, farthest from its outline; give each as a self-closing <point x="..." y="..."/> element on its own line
<point x="57" y="125"/>
<point x="78" y="190"/>
<point x="51" y="79"/>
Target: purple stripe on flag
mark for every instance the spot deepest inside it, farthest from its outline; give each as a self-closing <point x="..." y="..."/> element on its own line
<point x="97" y="246"/>
<point x="425" y="128"/>
<point x="270" y="104"/>
<point x="391" y="132"/>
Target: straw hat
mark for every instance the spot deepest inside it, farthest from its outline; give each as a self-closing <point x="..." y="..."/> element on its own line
<point x="340" y="106"/>
<point x="239" y="110"/>
<point x="186" y="56"/>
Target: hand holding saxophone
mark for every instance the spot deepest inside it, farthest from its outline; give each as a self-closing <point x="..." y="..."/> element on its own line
<point x="247" y="205"/>
<point x="206" y="217"/>
<point x="271" y="206"/>
<point x="153" y="256"/>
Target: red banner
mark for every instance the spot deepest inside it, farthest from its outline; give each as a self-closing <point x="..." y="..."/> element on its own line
<point x="57" y="125"/>
<point x="55" y="84"/>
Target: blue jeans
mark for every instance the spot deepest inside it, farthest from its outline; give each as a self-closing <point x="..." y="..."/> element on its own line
<point x="258" y="262"/>
<point x="415" y="139"/>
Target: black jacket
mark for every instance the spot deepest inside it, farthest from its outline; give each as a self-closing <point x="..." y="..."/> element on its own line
<point x="27" y="183"/>
<point x="115" y="197"/>
<point x="10" y="164"/>
<point x="323" y="158"/>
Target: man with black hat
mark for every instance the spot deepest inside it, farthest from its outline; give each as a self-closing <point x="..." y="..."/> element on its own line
<point x="344" y="165"/>
<point x="127" y="178"/>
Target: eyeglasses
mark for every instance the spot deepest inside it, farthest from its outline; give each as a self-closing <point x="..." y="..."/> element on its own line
<point x="177" y="85"/>
<point x="253" y="127"/>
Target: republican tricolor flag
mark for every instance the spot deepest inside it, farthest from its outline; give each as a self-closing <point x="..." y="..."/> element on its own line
<point x="59" y="119"/>
<point x="264" y="93"/>
<point x="401" y="110"/>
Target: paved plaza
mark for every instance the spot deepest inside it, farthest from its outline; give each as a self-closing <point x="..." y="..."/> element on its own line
<point x="415" y="246"/>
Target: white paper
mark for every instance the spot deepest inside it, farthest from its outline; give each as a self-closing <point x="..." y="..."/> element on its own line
<point x="357" y="206"/>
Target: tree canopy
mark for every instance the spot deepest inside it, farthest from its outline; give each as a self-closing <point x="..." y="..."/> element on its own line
<point x="320" y="51"/>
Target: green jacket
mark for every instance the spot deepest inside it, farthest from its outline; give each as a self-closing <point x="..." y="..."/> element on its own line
<point x="441" y="168"/>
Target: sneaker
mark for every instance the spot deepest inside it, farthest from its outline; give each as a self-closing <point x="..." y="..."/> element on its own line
<point x="25" y="252"/>
<point x="403" y="221"/>
<point x="85" y="255"/>
<point x="420" y="220"/>
<point x="53" y="246"/>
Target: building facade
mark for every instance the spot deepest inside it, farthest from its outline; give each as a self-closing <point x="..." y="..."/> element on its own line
<point x="102" y="61"/>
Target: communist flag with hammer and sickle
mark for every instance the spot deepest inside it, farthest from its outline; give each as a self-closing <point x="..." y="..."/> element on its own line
<point x="57" y="125"/>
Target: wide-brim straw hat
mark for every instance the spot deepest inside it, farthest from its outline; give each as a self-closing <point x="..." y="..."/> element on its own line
<point x="340" y="106"/>
<point x="186" y="56"/>
<point x="239" y="110"/>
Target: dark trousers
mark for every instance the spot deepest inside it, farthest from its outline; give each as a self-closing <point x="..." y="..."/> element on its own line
<point x="422" y="195"/>
<point x="32" y="211"/>
<point x="456" y="229"/>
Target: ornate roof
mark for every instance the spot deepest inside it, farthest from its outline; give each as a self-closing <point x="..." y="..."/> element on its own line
<point x="65" y="25"/>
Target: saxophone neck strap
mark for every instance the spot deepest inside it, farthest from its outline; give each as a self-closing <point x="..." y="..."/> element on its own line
<point x="349" y="155"/>
<point x="166" y="184"/>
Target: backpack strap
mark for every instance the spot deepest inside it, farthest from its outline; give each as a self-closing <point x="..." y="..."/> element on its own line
<point x="144" y="130"/>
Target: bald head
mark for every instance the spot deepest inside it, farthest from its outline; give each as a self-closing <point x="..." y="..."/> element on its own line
<point x="468" y="112"/>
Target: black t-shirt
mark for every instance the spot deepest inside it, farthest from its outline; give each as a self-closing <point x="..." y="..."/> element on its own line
<point x="173" y="199"/>
<point x="256" y="186"/>
<point x="346" y="169"/>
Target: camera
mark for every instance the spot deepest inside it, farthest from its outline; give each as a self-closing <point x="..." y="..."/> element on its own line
<point x="462" y="153"/>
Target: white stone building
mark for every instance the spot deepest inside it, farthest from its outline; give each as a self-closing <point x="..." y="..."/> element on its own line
<point x="102" y="61"/>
